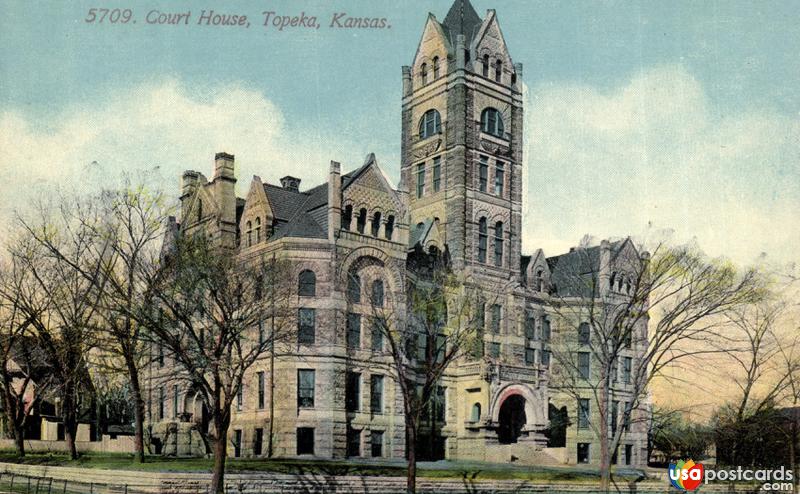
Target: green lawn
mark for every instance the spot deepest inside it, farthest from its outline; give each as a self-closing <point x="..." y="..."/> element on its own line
<point x="437" y="470"/>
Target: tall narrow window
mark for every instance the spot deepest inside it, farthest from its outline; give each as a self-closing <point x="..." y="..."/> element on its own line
<point x="347" y="217"/>
<point x="583" y="413"/>
<point x="199" y="209"/>
<point x="174" y="401"/>
<point x="420" y="179"/>
<point x="377" y="293"/>
<point x="430" y="124"/>
<point x="423" y="73"/>
<point x="583" y="365"/>
<point x="497" y="316"/>
<point x="376" y="223"/>
<point x="306" y="326"/>
<point x="261" y="389"/>
<point x="389" y="230"/>
<point x="483" y="234"/>
<point x="530" y="327"/>
<point x="475" y="415"/>
<point x="530" y="356"/>
<point x="546" y="358"/>
<point x="377" y="334"/>
<point x="258" y="230"/>
<point x="237" y="443"/>
<point x="584" y="333"/>
<point x="499" y="178"/>
<point x="353" y="330"/>
<point x="161" y="402"/>
<point x="305" y="388"/>
<point x="545" y="329"/>
<point x="376" y="394"/>
<point x="376" y="443"/>
<point x="354" y="288"/>
<point x="437" y="173"/>
<point x="249" y="233"/>
<point x="435" y="68"/>
<point x="486" y="65"/>
<point x="240" y="398"/>
<point x="483" y="174"/>
<point x="307" y="283"/>
<point x="492" y="122"/>
<point x="352" y="392"/>
<point x="498" y="243"/>
<point x="361" y="222"/>
<point x="498" y="71"/>
<point x="627" y="364"/>
<point x="258" y="441"/>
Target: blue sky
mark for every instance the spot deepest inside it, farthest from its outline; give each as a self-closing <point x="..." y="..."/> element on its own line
<point x="680" y="114"/>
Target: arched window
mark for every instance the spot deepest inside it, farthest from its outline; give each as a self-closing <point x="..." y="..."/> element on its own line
<point x="498" y="71"/>
<point x="539" y="281"/>
<point x="482" y="239"/>
<point x="376" y="223"/>
<point x="361" y="223"/>
<point x="486" y="65"/>
<point x="307" y="283"/>
<point x="249" y="233"/>
<point x="347" y="217"/>
<point x="475" y="416"/>
<point x="258" y="230"/>
<point x="435" y="68"/>
<point x="354" y="288"/>
<point x="389" y="227"/>
<point x="423" y="73"/>
<point x="498" y="243"/>
<point x="492" y="122"/>
<point x="628" y="284"/>
<point x="611" y="280"/>
<point x="430" y="124"/>
<point x="619" y="282"/>
<point x="377" y="293"/>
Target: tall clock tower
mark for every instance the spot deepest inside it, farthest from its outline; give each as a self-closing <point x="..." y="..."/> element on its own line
<point x="462" y="143"/>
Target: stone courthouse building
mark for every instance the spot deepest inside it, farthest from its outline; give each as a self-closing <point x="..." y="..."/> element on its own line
<point x="459" y="194"/>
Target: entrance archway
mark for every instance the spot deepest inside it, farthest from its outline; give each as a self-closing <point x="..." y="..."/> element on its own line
<point x="512" y="419"/>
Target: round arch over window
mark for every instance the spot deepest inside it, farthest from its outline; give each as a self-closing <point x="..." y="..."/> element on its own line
<point x="430" y="124"/>
<point x="475" y="415"/>
<point x="492" y="122"/>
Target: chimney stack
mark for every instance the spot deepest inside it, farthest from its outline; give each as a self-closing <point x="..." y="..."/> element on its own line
<point x="223" y="166"/>
<point x="291" y="183"/>
<point x="334" y="199"/>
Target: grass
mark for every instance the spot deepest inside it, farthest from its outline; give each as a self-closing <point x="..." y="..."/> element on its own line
<point x="441" y="470"/>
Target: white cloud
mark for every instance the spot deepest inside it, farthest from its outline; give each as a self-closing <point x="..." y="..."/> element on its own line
<point x="655" y="150"/>
<point x="163" y="125"/>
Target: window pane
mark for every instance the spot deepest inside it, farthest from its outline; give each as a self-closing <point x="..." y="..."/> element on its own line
<point x="306" y="326"/>
<point x="376" y="394"/>
<point x="305" y="388"/>
<point x="353" y="330"/>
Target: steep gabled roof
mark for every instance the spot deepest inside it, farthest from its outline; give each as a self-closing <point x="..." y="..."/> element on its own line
<point x="461" y="19"/>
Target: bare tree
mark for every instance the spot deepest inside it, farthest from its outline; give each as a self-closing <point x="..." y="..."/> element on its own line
<point x="206" y="307"/>
<point x="424" y="335"/>
<point x="632" y="313"/>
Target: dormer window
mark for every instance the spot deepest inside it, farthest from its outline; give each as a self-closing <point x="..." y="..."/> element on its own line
<point x="539" y="281"/>
<point x="435" y="68"/>
<point x="430" y="124"/>
<point x="492" y="122"/>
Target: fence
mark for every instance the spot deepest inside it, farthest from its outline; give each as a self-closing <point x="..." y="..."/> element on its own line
<point x="33" y="484"/>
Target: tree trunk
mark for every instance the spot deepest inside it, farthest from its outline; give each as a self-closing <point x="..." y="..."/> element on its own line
<point x="271" y="430"/>
<point x="69" y="417"/>
<point x="411" y="450"/>
<point x="13" y="425"/>
<point x="220" y="455"/>
<point x="138" y="408"/>
<point x="605" y="453"/>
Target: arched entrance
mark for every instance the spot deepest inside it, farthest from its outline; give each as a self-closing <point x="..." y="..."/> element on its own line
<point x="511" y="419"/>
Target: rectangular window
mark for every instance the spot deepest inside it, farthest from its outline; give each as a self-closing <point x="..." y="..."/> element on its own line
<point x="583" y="365"/>
<point x="160" y="357"/>
<point x="546" y="358"/>
<point x="494" y="350"/>
<point x="305" y="388"/>
<point x="483" y="173"/>
<point x="161" y="402"/>
<point x="376" y="394"/>
<point x="628" y="454"/>
<point x="497" y="315"/>
<point x="614" y="371"/>
<point x="583" y="413"/>
<point x="584" y="333"/>
<point x="352" y="392"/>
<point x="530" y="327"/>
<point x="240" y="398"/>
<point x="545" y="329"/>
<point x="258" y="441"/>
<point x="530" y="356"/>
<point x="306" y="326"/>
<point x="261" y="389"/>
<point x="305" y="440"/>
<point x="376" y="443"/>
<point x="583" y="452"/>
<point x="377" y="335"/>
<point x="237" y="443"/>
<point x="174" y="401"/>
<point x="499" y="179"/>
<point x="614" y="415"/>
<point x="353" y="330"/>
<point x="353" y="441"/>
<point x="627" y="364"/>
<point x="626" y="418"/>
<point x="420" y="179"/>
<point x="439" y="404"/>
<point x="437" y="173"/>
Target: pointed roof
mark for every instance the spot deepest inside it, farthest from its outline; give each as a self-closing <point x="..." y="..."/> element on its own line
<point x="461" y="19"/>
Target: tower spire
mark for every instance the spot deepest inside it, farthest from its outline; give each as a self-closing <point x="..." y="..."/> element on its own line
<point x="461" y="19"/>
